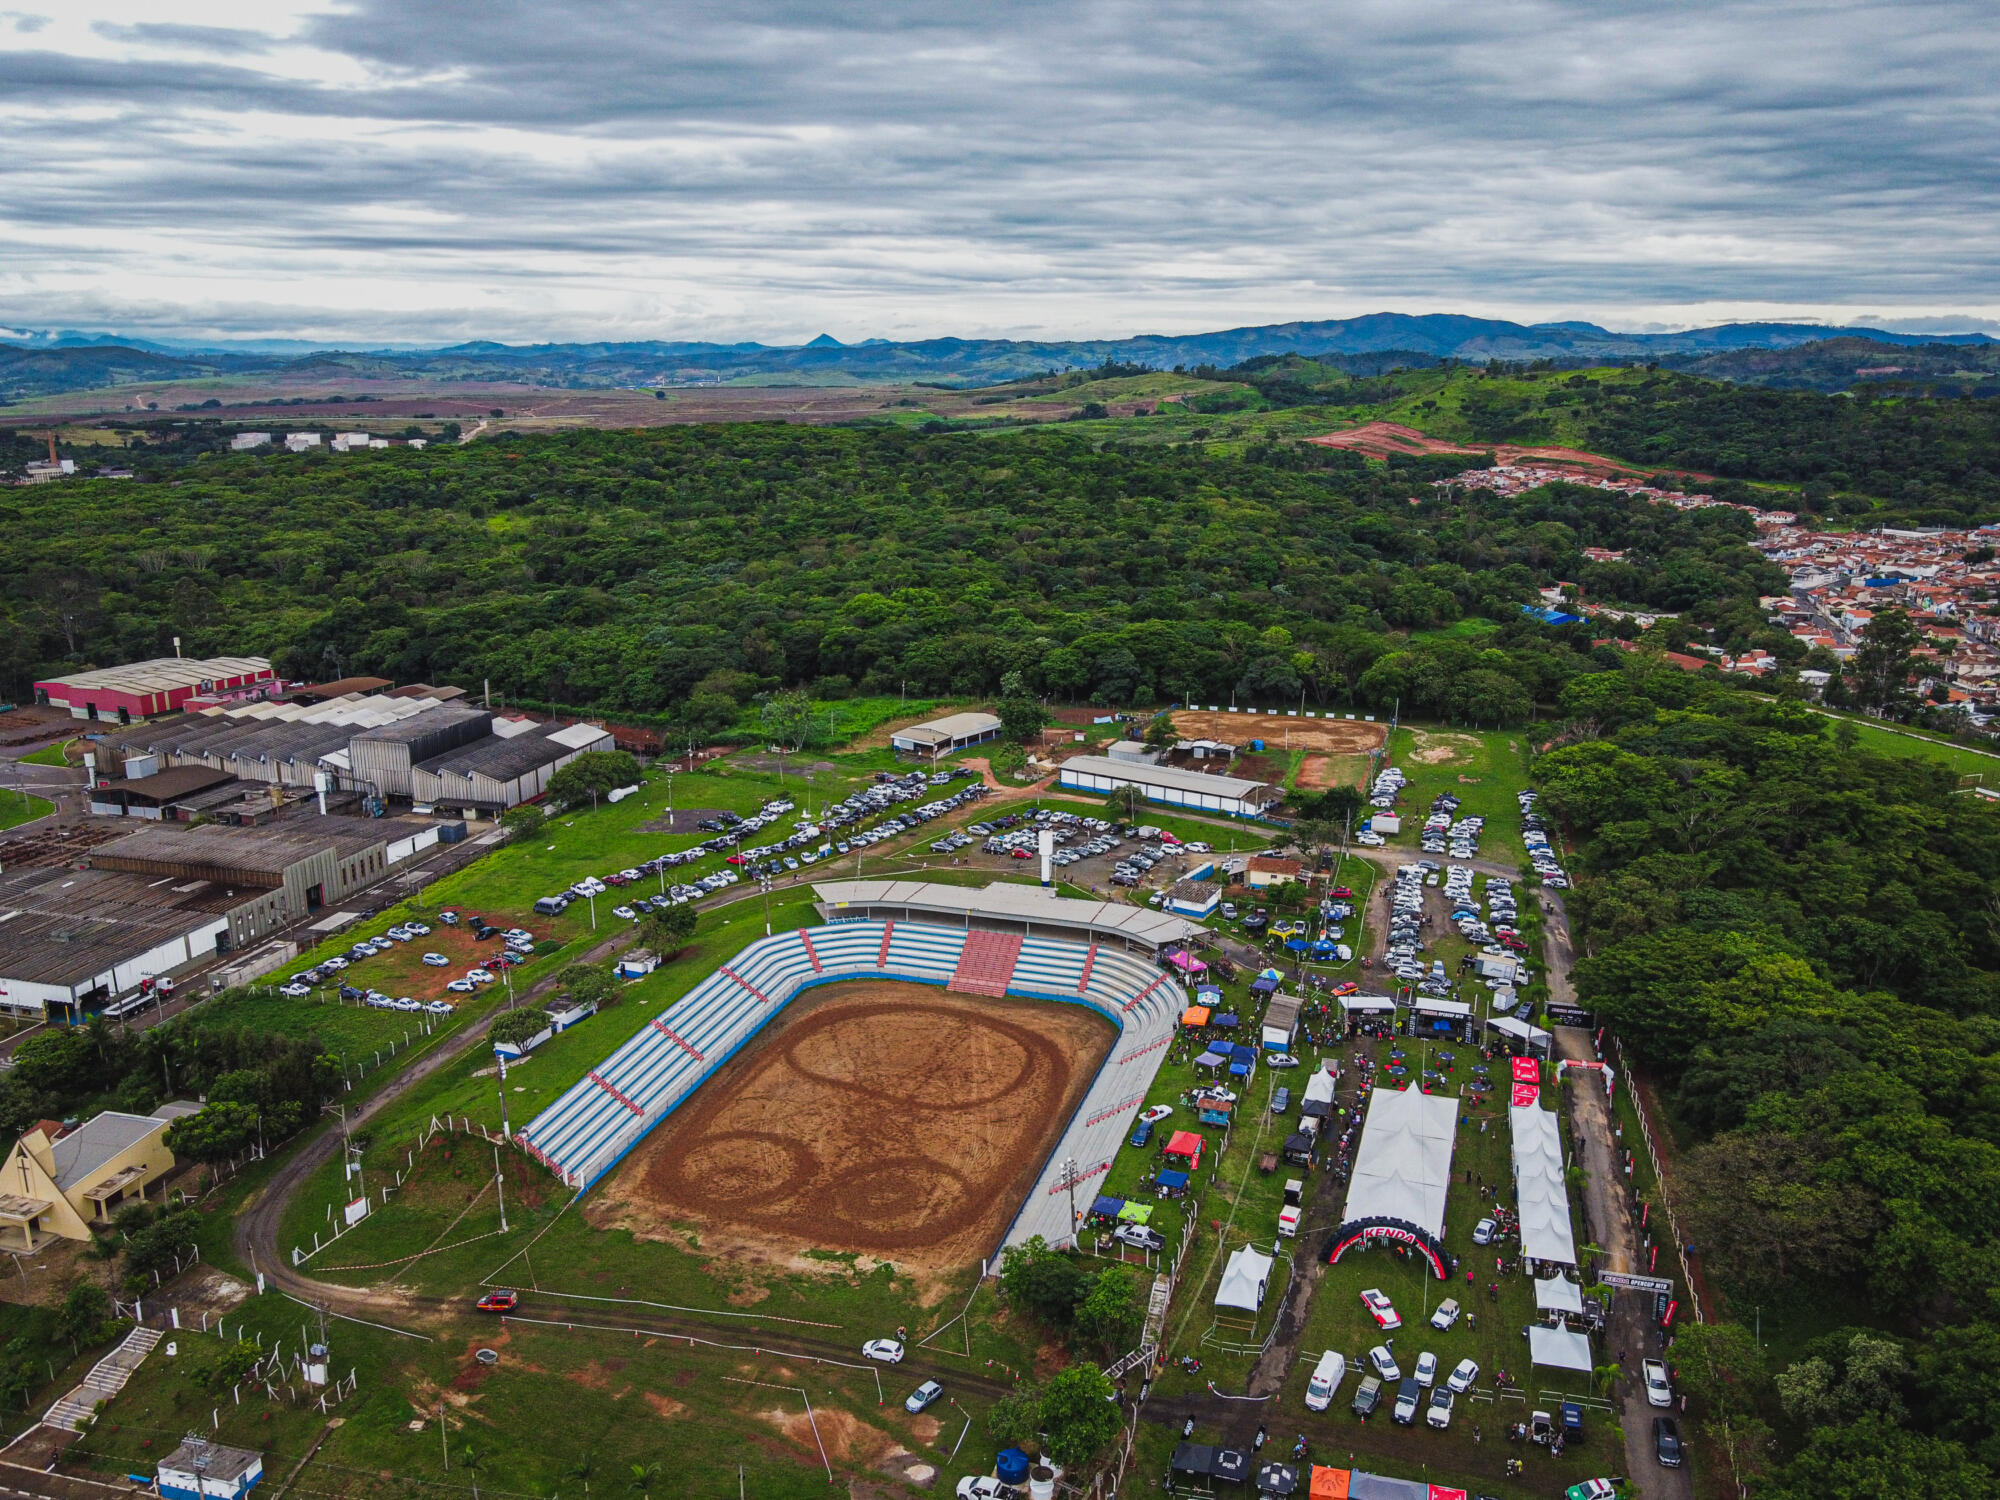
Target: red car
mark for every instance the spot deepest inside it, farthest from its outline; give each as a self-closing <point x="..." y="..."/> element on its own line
<point x="1347" y="987"/>
<point x="1341" y="893"/>
<point x="498" y="1302"/>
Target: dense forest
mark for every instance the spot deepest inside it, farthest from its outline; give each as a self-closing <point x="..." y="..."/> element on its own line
<point x="1799" y="941"/>
<point x="667" y="570"/>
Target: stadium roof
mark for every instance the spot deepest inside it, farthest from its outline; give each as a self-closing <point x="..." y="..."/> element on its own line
<point x="1027" y="904"/>
<point x="1403" y="1168"/>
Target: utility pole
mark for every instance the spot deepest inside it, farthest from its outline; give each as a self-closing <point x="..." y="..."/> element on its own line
<point x="1069" y="1179"/>
<point x="499" y="1179"/>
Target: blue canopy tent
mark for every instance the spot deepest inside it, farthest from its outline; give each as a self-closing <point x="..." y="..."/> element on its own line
<point x="1228" y="1021"/>
<point x="1207" y="994"/>
<point x="1297" y="944"/>
<point x="1244" y="1054"/>
<point x="1172" y="1184"/>
<point x="1262" y="985"/>
<point x="1211" y="1059"/>
<point x="1106" y="1206"/>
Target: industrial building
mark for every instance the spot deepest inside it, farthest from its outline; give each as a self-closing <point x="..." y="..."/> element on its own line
<point x="62" y="1182"/>
<point x="146" y="791"/>
<point x="511" y="766"/>
<point x="941" y="737"/>
<point x="382" y="760"/>
<point x="201" y="1470"/>
<point x="1170" y="785"/>
<point x="142" y="688"/>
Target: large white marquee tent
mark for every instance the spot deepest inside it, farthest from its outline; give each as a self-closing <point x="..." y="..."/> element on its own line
<point x="1403" y="1168"/>
<point x="1543" y="1195"/>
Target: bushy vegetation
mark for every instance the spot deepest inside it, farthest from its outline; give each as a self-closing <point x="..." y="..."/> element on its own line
<point x="1797" y="938"/>
<point x="692" y="573"/>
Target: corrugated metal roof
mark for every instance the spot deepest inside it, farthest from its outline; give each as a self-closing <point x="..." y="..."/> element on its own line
<point x="1020" y="903"/>
<point x="1141" y="774"/>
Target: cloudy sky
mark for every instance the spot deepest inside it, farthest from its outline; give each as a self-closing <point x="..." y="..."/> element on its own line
<point x="433" y="170"/>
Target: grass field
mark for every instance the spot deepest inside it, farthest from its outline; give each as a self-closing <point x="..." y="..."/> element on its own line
<point x="1897" y="740"/>
<point x="17" y="808"/>
<point x="49" y="755"/>
<point x="1484" y="769"/>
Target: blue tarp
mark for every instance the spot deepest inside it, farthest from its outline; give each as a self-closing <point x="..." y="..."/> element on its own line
<point x="1107" y="1206"/>
<point x="1551" y="616"/>
<point x="1173" y="1182"/>
<point x="1228" y="1020"/>
<point x="1241" y="1070"/>
<point x="1244" y="1054"/>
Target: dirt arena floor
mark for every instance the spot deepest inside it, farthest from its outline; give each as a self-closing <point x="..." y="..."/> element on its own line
<point x="1333" y="770"/>
<point x="1332" y="736"/>
<point x="895" y="1120"/>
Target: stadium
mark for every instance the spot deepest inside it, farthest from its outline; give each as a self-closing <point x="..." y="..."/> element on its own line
<point x="892" y="1118"/>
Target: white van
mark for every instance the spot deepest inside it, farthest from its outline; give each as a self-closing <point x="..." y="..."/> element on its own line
<point x="1325" y="1380"/>
<point x="1288" y="1220"/>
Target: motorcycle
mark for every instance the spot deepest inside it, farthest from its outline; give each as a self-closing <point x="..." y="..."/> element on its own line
<point x="1300" y="1449"/>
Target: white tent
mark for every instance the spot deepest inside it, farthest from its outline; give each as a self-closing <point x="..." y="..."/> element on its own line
<point x="1536" y="1038"/>
<point x="1244" y="1280"/>
<point x="1546" y="1232"/>
<point x="1403" y="1168"/>
<point x="1319" y="1087"/>
<point x="1558" y="1294"/>
<point x="1426" y="1006"/>
<point x="1560" y="1349"/>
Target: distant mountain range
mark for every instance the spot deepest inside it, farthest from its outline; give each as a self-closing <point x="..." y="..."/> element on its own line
<point x="50" y="363"/>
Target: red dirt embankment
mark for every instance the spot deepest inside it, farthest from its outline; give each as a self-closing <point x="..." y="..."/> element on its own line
<point x="1380" y="439"/>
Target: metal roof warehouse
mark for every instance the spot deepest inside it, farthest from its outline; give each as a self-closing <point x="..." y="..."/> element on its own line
<point x="1170" y="785"/>
<point x="941" y="736"/>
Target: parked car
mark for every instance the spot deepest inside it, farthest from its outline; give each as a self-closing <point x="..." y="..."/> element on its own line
<point x="1408" y="1398"/>
<point x="1281" y="1100"/>
<point x="1385" y="1363"/>
<point x="1463" y="1374"/>
<point x="1593" y="1489"/>
<point x="1439" y="1414"/>
<point x="1367" y="1396"/>
<point x="1139" y="1237"/>
<point x="1326" y="1378"/>
<point x="1446" y="1314"/>
<point x="1659" y="1391"/>
<point x="1142" y="1133"/>
<point x="1667" y="1442"/>
<point x="889" y="1351"/>
<point x="295" y="991"/>
<point x="437" y="961"/>
<point x="1482" y="1232"/>
<point x="1381" y="1309"/>
<point x="1281" y="1060"/>
<point x="923" y="1396"/>
<point x="1427" y="1368"/>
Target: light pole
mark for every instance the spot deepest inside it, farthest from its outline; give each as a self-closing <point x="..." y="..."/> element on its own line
<point x="764" y="884"/>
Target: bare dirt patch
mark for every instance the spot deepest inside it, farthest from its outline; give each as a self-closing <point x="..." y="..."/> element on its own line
<point x="1442" y="749"/>
<point x="891" y="1120"/>
<point x="1381" y="439"/>
<point x="1332" y="736"/>
<point x="1332" y="770"/>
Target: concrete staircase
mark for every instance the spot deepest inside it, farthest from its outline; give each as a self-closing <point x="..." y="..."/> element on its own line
<point x="106" y="1379"/>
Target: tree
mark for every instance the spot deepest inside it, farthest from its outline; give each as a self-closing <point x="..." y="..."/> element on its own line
<point x="1022" y="716"/>
<point x="1720" y="1366"/>
<point x="668" y="930"/>
<point x="640" y="1479"/>
<point x="1873" y="1459"/>
<point x="1160" y="731"/>
<point x="787" y="718"/>
<point x="1130" y="802"/>
<point x="518" y="1025"/>
<point x="1080" y="1415"/>
<point x="1879" y="674"/>
<point x="1111" y="1315"/>
<point x="524" y="823"/>
<point x="86" y="1312"/>
<point x="1015" y="1420"/>
<point x="1045" y="1282"/>
<point x="588" y="983"/>
<point x="221" y="1130"/>
<point x="593" y="774"/>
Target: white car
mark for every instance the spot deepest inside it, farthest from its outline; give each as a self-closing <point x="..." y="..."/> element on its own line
<point x="1463" y="1374"/>
<point x="463" y="987"/>
<point x="518" y="935"/>
<point x="889" y="1351"/>
<point x="296" y="991"/>
<point x="1482" y="1232"/>
<point x="336" y="963"/>
<point x="438" y="1008"/>
<point x="1155" y="1113"/>
<point x="479" y="976"/>
<point x="416" y="929"/>
<point x="1382" y="1310"/>
<point x="1446" y="1314"/>
<point x="1326" y="1378"/>
<point x="1426" y="1371"/>
<point x="979" y="1487"/>
<point x="1439" y="1414"/>
<point x="1370" y="840"/>
<point x="1385" y="1363"/>
<point x="437" y="960"/>
<point x="625" y="912"/>
<point x="1281" y="1060"/>
<point x="1659" y="1391"/>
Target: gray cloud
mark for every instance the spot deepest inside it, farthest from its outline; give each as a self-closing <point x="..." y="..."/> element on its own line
<point x="769" y="170"/>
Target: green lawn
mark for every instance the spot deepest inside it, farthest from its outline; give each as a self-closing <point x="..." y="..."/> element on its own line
<point x="1482" y="768"/>
<point x="1883" y="740"/>
<point x="49" y="755"/>
<point x="17" y="808"/>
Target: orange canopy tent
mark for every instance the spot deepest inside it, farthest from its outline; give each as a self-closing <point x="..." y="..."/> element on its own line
<point x="1329" y="1484"/>
<point x="1195" y="1015"/>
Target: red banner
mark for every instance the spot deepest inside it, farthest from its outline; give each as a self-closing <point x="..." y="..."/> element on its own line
<point x="1525" y="1094"/>
<point x="1527" y="1070"/>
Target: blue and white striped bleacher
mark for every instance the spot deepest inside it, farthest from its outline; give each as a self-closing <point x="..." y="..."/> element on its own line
<point x="596" y="1121"/>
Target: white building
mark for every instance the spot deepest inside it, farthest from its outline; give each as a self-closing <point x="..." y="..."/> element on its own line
<point x="201" y="1470"/>
<point x="942" y="736"/>
<point x="244" y="441"/>
<point x="1170" y="785"/>
<point x="298" y="442"/>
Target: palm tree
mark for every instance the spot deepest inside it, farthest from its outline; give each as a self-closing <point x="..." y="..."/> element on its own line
<point x="581" y="1470"/>
<point x="1609" y="1376"/>
<point x="643" y="1476"/>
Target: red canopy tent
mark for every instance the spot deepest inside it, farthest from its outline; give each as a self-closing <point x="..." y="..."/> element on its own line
<point x="1525" y="1094"/>
<point x="1186" y="1143"/>
<point x="1527" y="1070"/>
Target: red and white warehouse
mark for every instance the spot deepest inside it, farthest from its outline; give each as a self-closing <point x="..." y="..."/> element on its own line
<point x="144" y="688"/>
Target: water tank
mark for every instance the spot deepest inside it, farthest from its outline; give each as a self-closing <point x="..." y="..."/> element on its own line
<point x="1012" y="1466"/>
<point x="1041" y="1483"/>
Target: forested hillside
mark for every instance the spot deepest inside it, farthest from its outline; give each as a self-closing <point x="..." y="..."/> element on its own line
<point x="1798" y="939"/>
<point x="622" y="571"/>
